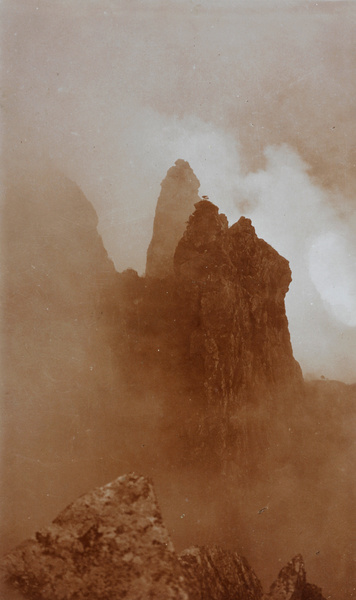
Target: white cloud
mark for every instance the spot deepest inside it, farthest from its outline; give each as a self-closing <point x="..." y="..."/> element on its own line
<point x="332" y="267"/>
<point x="297" y="217"/>
<point x="125" y="73"/>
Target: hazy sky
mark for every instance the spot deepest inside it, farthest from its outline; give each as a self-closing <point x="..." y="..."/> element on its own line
<point x="259" y="97"/>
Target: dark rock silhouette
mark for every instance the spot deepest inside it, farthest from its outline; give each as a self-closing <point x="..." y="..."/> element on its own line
<point x="58" y="366"/>
<point x="217" y="574"/>
<point x="214" y="334"/>
<point x="312" y="592"/>
<point x="291" y="583"/>
<point x="110" y="543"/>
<point x="208" y="344"/>
<point x="233" y="286"/>
<point x="179" y="193"/>
<point x="238" y="283"/>
<point x="188" y="376"/>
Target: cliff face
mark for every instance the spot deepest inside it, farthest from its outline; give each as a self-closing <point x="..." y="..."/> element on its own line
<point x="233" y="286"/>
<point x="237" y="283"/>
<point x="179" y="193"/>
<point x="215" y="334"/>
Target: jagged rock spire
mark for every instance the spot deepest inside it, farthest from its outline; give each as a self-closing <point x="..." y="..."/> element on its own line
<point x="179" y="193"/>
<point x="291" y="583"/>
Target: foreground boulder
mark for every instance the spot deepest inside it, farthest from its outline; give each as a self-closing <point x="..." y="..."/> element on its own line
<point x="109" y="544"/>
<point x="217" y="574"/>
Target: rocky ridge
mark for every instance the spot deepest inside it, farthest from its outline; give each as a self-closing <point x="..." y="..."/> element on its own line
<point x="62" y="380"/>
<point x="218" y="574"/>
<point x="215" y="334"/>
<point x="111" y="543"/>
<point x="291" y="583"/>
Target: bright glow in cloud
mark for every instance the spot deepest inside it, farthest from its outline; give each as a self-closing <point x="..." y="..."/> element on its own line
<point x="332" y="267"/>
<point x="125" y="197"/>
<point x="297" y="217"/>
<point x="113" y="95"/>
<point x="288" y="209"/>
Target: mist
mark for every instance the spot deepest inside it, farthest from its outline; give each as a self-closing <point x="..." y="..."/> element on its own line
<point x="263" y="114"/>
<point x="259" y="98"/>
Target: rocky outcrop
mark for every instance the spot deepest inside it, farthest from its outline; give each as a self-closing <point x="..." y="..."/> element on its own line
<point x="179" y="193"/>
<point x="109" y="544"/>
<point x="233" y="285"/>
<point x="214" y="334"/>
<point x="237" y="285"/>
<point x="291" y="583"/>
<point x="312" y="592"/>
<point x="217" y="574"/>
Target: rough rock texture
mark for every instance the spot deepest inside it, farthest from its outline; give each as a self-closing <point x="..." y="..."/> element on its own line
<point x="312" y="592"/>
<point x="208" y="345"/>
<point x="291" y="581"/>
<point x="233" y="285"/>
<point x="68" y="425"/>
<point x="109" y="544"/>
<point x="214" y="336"/>
<point x="179" y="193"/>
<point x="217" y="574"/>
<point x="238" y="283"/>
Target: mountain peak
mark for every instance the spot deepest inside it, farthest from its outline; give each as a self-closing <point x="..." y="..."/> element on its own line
<point x="179" y="194"/>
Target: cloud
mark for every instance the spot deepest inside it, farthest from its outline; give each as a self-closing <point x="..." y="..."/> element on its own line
<point x="332" y="261"/>
<point x="288" y="209"/>
<point x="113" y="96"/>
<point x="298" y="218"/>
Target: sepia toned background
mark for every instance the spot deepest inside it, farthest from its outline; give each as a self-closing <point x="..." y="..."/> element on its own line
<point x="259" y="97"/>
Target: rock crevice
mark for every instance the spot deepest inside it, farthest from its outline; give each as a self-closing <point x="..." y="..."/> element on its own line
<point x="213" y="329"/>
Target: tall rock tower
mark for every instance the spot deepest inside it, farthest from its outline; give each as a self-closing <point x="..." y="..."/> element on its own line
<point x="208" y="328"/>
<point x="179" y="193"/>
